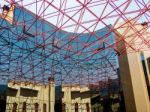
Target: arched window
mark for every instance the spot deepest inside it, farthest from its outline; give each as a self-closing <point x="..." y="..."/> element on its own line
<point x="87" y="107"/>
<point x="14" y="107"/>
<point x="36" y="105"/>
<point x="44" y="107"/>
<point x="63" y="107"/>
<point x="76" y="107"/>
<point x="24" y="107"/>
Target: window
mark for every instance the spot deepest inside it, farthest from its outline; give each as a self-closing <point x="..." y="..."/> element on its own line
<point x="24" y="107"/>
<point x="63" y="107"/>
<point x="76" y="107"/>
<point x="36" y="107"/>
<point x="94" y="109"/>
<point x="87" y="107"/>
<point x="148" y="62"/>
<point x="145" y="72"/>
<point x="44" y="107"/>
<point x="98" y="109"/>
<point x="14" y="107"/>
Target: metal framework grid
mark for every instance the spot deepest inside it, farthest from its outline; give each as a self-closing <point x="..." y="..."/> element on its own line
<point x="32" y="49"/>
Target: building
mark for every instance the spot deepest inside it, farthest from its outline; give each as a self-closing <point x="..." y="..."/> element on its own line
<point x="20" y="26"/>
<point x="108" y="98"/>
<point x="76" y="98"/>
<point x="3" y="89"/>
<point x="30" y="36"/>
<point x="134" y="64"/>
<point x="29" y="97"/>
<point x="45" y="44"/>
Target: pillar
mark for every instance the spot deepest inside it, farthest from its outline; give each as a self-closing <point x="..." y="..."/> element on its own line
<point x="133" y="80"/>
<point x="51" y="95"/>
